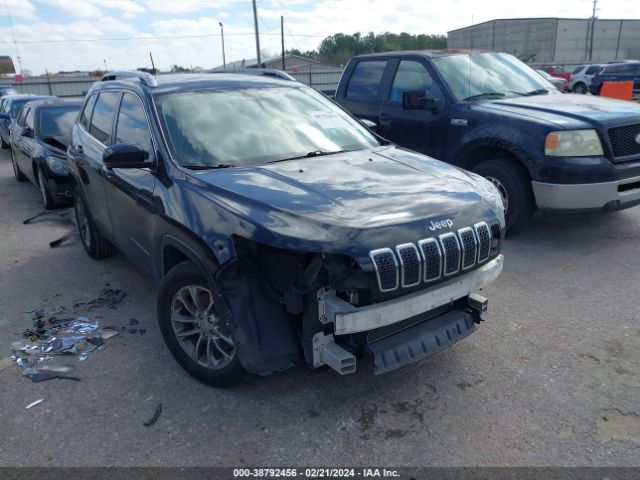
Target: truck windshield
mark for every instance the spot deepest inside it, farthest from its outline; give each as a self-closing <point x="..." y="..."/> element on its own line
<point x="489" y="75"/>
<point x="253" y="126"/>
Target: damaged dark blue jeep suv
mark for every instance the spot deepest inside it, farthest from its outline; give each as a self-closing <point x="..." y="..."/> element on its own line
<point x="279" y="227"/>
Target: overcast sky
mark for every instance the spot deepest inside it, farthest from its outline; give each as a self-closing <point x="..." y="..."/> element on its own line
<point x="45" y="27"/>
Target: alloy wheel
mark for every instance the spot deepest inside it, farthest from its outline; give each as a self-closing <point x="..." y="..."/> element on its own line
<point x="13" y="163"/>
<point x="42" y="187"/>
<point x="199" y="330"/>
<point x="83" y="222"/>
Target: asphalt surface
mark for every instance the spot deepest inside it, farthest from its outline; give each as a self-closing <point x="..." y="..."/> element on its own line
<point x="551" y="378"/>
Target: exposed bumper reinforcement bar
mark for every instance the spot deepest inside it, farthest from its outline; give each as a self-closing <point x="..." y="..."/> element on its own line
<point x="349" y="319"/>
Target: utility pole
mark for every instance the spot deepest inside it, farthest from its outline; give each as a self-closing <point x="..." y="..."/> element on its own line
<point x="282" y="39"/>
<point x="593" y="29"/>
<point x="224" y="60"/>
<point x="255" y="24"/>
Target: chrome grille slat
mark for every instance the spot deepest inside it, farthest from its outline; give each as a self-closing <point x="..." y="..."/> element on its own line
<point x="386" y="267"/>
<point x="407" y="265"/>
<point x="483" y="233"/>
<point x="432" y="258"/>
<point x="451" y="253"/>
<point x="469" y="246"/>
<point x="410" y="264"/>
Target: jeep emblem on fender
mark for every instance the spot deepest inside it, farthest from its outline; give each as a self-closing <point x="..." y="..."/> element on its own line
<point x="447" y="222"/>
<point x="638" y="139"/>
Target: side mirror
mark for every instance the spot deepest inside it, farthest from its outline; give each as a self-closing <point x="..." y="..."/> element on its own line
<point x="418" y="100"/>
<point x="369" y="124"/>
<point x="26" y="131"/>
<point x="126" y="155"/>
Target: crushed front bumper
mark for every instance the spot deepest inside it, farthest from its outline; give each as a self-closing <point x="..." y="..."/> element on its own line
<point x="417" y="325"/>
<point x="349" y="319"/>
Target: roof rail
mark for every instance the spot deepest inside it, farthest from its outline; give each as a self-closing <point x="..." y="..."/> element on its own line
<point x="269" y="72"/>
<point x="144" y="77"/>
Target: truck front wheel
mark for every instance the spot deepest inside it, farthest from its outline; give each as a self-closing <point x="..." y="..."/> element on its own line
<point x="514" y="185"/>
<point x="194" y="330"/>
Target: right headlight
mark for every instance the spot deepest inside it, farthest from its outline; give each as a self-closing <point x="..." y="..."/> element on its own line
<point x="573" y="143"/>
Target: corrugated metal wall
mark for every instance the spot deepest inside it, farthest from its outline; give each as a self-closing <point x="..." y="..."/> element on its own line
<point x="72" y="87"/>
<point x="550" y="40"/>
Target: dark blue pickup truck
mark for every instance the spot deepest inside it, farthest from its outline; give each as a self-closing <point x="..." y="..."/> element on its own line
<point x="493" y="115"/>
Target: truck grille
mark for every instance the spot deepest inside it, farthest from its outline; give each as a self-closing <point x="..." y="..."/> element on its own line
<point x="624" y="141"/>
<point x="432" y="259"/>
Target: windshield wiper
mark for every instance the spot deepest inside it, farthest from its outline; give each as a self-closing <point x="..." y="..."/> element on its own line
<point x="207" y="167"/>
<point x="539" y="91"/>
<point x="315" y="153"/>
<point x="486" y="95"/>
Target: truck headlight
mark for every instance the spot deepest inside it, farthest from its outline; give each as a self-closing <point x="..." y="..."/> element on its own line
<point x="57" y="165"/>
<point x="573" y="143"/>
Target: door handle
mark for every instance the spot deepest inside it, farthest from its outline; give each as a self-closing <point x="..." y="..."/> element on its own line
<point x="385" y="119"/>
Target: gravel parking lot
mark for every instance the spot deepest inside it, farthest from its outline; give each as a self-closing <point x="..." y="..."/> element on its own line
<point x="551" y="378"/>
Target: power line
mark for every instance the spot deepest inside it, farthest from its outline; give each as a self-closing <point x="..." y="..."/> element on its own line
<point x="155" y="37"/>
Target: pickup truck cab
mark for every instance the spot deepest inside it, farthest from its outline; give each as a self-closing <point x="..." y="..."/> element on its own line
<point x="278" y="226"/>
<point x="492" y="114"/>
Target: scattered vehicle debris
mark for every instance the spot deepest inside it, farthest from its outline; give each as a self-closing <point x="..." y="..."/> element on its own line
<point x="65" y="214"/>
<point x="155" y="417"/>
<point x="34" y="403"/>
<point x="52" y="336"/>
<point x="39" y="377"/>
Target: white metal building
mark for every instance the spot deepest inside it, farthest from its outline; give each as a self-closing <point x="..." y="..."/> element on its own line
<point x="561" y="41"/>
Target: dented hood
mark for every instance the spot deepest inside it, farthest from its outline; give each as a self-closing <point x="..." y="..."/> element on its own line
<point x="366" y="194"/>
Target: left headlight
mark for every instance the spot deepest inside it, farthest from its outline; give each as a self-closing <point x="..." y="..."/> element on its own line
<point x="57" y="165"/>
<point x="573" y="143"/>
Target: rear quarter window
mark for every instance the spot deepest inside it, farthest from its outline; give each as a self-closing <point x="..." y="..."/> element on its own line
<point x="593" y="70"/>
<point x="365" y="80"/>
<point x="85" y="116"/>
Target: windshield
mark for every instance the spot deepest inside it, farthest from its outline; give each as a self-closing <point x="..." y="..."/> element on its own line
<point x="16" y="105"/>
<point x="489" y="73"/>
<point x="253" y="126"/>
<point x="57" y="121"/>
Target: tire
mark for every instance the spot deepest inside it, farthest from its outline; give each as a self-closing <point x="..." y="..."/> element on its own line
<point x="514" y="184"/>
<point x="95" y="244"/>
<point x="580" y="88"/>
<point x="47" y="200"/>
<point x="16" y="170"/>
<point x="207" y="350"/>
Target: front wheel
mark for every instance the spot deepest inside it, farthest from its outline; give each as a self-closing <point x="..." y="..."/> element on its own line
<point x="580" y="88"/>
<point x="514" y="185"/>
<point x="95" y="244"/>
<point x="193" y="329"/>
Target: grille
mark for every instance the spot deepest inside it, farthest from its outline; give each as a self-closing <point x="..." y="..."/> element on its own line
<point x="451" y="249"/>
<point x="469" y="247"/>
<point x="410" y="264"/>
<point x="386" y="268"/>
<point x="623" y="140"/>
<point x="484" y="241"/>
<point x="433" y="258"/>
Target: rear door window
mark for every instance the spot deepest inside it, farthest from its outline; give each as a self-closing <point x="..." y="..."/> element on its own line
<point x="366" y="80"/>
<point x="103" y="116"/>
<point x="29" y="118"/>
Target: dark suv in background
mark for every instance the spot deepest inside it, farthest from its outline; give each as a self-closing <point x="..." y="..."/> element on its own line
<point x="280" y="227"/>
<point x="618" y="72"/>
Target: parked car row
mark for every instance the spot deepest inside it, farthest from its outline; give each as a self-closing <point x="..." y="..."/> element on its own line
<point x="285" y="227"/>
<point x="589" y="78"/>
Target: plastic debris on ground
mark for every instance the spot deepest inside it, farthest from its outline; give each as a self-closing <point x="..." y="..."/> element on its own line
<point x="53" y="337"/>
<point x="155" y="416"/>
<point x="34" y="403"/>
<point x="66" y="215"/>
